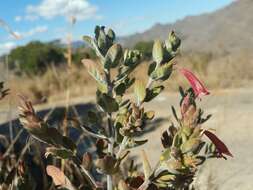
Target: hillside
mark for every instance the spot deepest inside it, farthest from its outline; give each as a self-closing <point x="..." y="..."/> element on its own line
<point x="226" y="30"/>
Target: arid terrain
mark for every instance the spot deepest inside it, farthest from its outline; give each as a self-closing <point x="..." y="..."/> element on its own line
<point x="232" y="112"/>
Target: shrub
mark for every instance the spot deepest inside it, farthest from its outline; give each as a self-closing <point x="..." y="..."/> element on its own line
<point x="35" y="57"/>
<point x="144" y="47"/>
<point x="120" y="119"/>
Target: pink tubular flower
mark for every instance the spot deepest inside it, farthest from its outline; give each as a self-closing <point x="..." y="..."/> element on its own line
<point x="220" y="146"/>
<point x="197" y="86"/>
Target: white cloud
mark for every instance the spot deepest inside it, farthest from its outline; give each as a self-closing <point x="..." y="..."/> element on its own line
<point x="18" y="18"/>
<point x="32" y="32"/>
<point x="48" y="9"/>
<point x="26" y="17"/>
<point x="6" y="47"/>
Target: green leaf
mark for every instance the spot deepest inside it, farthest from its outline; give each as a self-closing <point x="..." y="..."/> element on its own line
<point x="157" y="52"/>
<point x="152" y="93"/>
<point x="163" y="72"/>
<point x="93" y="117"/>
<point x="68" y="143"/>
<point x="165" y="154"/>
<point x="96" y="31"/>
<point x="146" y="165"/>
<point x="151" y="68"/>
<point x="174" y="113"/>
<point x="111" y="34"/>
<point x="93" y="71"/>
<point x="132" y="58"/>
<point x="129" y="82"/>
<point x="139" y="91"/>
<point x="60" y="153"/>
<point x="120" y="89"/>
<point x="113" y="56"/>
<point x="102" y="42"/>
<point x="93" y="45"/>
<point x="107" y="103"/>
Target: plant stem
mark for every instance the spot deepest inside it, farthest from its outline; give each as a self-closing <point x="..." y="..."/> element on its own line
<point x="149" y="83"/>
<point x="89" y="177"/>
<point x="110" y="150"/>
<point x="111" y="131"/>
<point x="88" y="131"/>
<point x="122" y="146"/>
<point x="109" y="182"/>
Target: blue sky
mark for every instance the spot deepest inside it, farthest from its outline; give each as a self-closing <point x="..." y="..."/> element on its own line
<point x="46" y="20"/>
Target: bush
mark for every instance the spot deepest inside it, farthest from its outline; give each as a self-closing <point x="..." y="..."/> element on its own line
<point x="35" y="57"/>
<point x="145" y="48"/>
<point x="119" y="120"/>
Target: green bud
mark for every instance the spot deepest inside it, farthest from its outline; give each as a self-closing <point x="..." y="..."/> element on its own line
<point x="157" y="52"/>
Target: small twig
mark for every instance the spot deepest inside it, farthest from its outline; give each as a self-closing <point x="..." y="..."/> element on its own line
<point x="7" y="152"/>
<point x="89" y="177"/>
<point x="22" y="153"/>
<point x="122" y="146"/>
<point x="91" y="133"/>
<point x="46" y="117"/>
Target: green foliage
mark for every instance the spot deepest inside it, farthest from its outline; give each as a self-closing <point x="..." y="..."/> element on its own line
<point x="35" y="57"/>
<point x="145" y="48"/>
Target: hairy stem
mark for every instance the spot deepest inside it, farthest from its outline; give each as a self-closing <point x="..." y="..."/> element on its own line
<point x="122" y="146"/>
<point x="110" y="128"/>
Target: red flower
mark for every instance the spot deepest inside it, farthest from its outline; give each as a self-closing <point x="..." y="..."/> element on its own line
<point x="197" y="86"/>
<point x="220" y="146"/>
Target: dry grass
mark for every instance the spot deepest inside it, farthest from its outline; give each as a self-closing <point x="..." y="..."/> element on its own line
<point x="53" y="84"/>
<point x="224" y="72"/>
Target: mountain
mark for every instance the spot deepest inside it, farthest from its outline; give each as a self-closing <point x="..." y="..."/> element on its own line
<point x="75" y="44"/>
<point x="226" y="30"/>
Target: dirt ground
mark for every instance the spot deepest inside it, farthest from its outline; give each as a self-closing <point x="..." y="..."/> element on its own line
<point x="232" y="118"/>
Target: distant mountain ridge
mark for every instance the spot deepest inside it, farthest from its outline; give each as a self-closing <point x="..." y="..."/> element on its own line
<point x="227" y="30"/>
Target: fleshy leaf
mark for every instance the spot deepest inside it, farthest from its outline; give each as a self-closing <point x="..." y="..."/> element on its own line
<point x="93" y="71"/>
<point x="139" y="91"/>
<point x="152" y="93"/>
<point x="108" y="103"/>
<point x="113" y="56"/>
<point x="93" y="45"/>
<point x="163" y="72"/>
